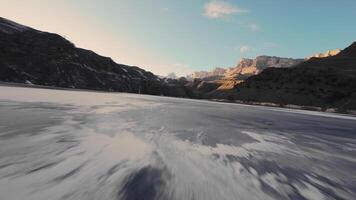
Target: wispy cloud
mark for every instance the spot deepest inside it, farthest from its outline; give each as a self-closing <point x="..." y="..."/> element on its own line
<point x="270" y="45"/>
<point x="260" y="48"/>
<point x="219" y="9"/>
<point x="254" y="27"/>
<point x="244" y="49"/>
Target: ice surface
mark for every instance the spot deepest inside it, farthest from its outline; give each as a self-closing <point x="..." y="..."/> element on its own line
<point x="59" y="144"/>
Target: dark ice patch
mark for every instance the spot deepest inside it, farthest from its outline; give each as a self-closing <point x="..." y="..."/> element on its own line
<point x="148" y="183"/>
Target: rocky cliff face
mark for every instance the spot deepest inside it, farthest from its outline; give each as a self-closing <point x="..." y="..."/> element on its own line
<point x="328" y="82"/>
<point x="31" y="56"/>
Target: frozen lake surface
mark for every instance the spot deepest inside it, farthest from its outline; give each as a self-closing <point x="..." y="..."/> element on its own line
<point x="57" y="144"/>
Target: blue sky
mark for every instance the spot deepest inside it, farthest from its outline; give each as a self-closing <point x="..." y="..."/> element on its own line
<point x="182" y="36"/>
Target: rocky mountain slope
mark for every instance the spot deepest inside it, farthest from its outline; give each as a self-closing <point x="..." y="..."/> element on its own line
<point x="31" y="56"/>
<point x="328" y="82"/>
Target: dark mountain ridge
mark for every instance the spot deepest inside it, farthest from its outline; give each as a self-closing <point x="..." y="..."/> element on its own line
<point x="41" y="58"/>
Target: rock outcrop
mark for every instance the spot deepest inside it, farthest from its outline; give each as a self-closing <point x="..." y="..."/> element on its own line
<point x="326" y="54"/>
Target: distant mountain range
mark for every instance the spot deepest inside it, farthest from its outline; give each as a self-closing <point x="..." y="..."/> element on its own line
<point x="223" y="79"/>
<point x="216" y="73"/>
<point x="249" y="67"/>
<point x="34" y="57"/>
<point x="325" y="80"/>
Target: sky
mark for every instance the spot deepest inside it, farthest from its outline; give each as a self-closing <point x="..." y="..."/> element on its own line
<point x="183" y="36"/>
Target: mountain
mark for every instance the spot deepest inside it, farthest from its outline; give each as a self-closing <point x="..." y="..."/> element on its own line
<point x="216" y="73"/>
<point x="328" y="82"/>
<point x="31" y="56"/>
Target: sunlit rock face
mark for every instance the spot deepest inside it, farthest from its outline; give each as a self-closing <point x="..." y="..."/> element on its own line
<point x="217" y="72"/>
<point x="228" y="83"/>
<point x="326" y="54"/>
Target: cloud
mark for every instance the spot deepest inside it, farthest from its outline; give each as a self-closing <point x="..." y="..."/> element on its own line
<point x="244" y="49"/>
<point x="254" y="27"/>
<point x="260" y="48"/>
<point x="270" y="45"/>
<point x="219" y="9"/>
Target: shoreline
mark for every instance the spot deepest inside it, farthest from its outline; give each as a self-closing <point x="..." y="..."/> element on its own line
<point x="350" y="113"/>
